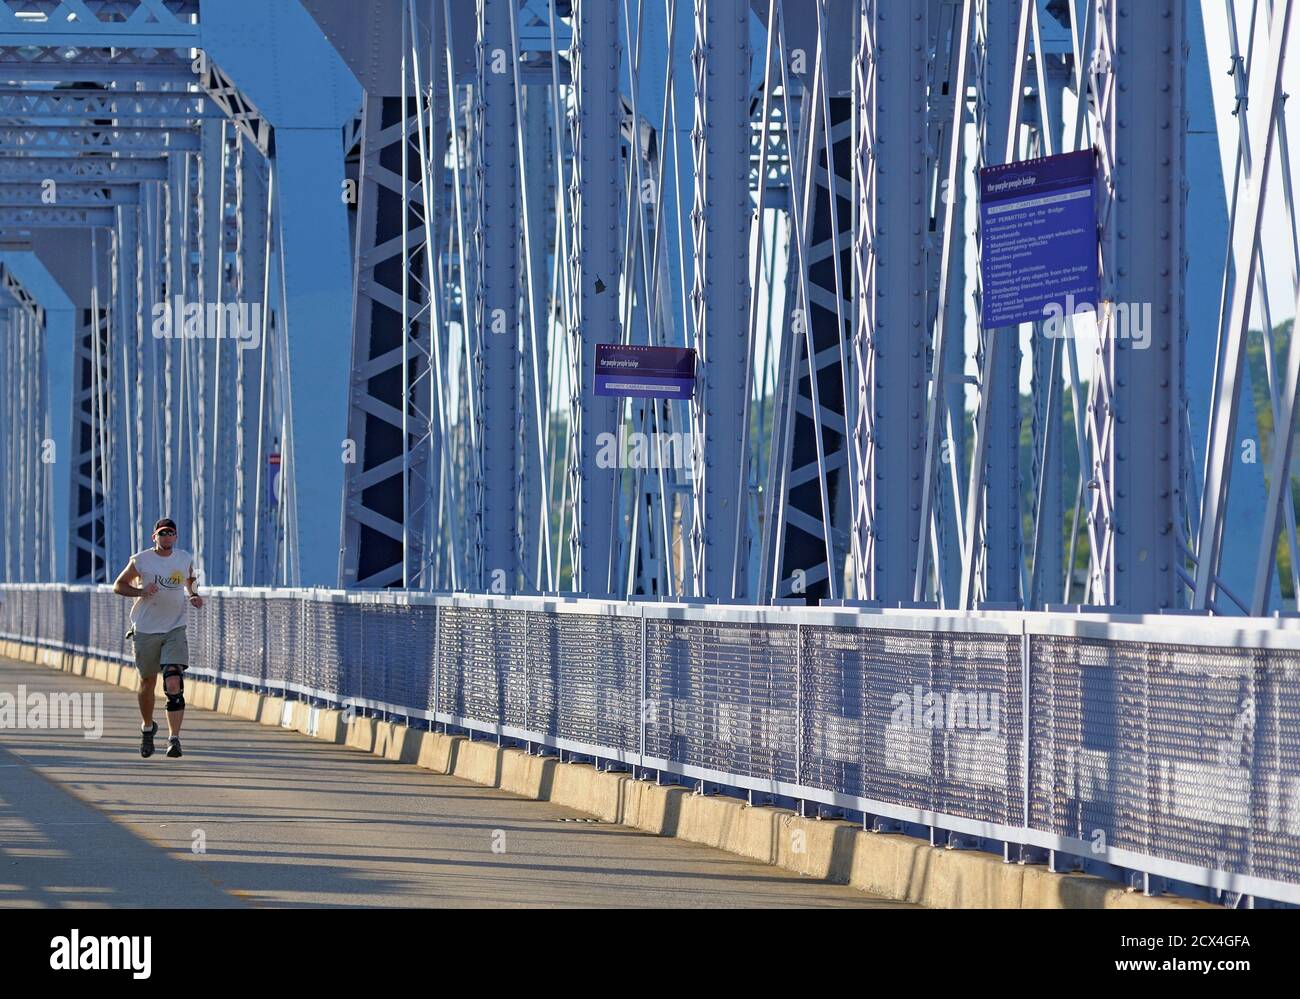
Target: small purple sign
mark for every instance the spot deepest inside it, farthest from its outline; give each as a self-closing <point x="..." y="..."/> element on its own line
<point x="645" y="372"/>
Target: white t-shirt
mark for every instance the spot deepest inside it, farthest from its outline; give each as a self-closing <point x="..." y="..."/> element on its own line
<point x="165" y="610"/>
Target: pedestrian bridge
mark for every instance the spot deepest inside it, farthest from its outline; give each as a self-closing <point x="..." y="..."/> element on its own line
<point x="1159" y="751"/>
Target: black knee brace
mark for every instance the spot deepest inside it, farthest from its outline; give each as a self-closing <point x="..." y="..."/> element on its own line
<point x="176" y="701"/>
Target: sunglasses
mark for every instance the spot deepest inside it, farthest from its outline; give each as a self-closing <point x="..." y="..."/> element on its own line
<point x="166" y="532"/>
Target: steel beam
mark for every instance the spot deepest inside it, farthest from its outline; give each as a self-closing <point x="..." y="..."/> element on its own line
<point x="85" y="168"/>
<point x="720" y="295"/>
<point x="595" y="197"/>
<point x="47" y="138"/>
<point x="51" y="217"/>
<point x="496" y="313"/>
<point x="889" y="253"/>
<point x="69" y="195"/>
<point x="1138" y="502"/>
<point x="100" y="23"/>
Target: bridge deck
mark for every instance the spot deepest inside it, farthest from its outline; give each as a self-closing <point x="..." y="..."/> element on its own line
<point x="289" y="821"/>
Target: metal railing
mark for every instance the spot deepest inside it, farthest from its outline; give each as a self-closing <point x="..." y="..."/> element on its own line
<point x="1163" y="745"/>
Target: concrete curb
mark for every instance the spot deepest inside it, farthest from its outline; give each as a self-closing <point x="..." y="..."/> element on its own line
<point x="896" y="867"/>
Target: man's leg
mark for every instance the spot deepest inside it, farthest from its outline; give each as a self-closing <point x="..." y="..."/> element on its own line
<point x="175" y="657"/>
<point x="145" y="698"/>
<point x="147" y="648"/>
<point x="174" y="688"/>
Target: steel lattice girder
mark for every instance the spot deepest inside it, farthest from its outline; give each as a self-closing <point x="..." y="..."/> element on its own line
<point x="49" y="217"/>
<point x="100" y="169"/>
<point x="69" y="195"/>
<point x="43" y="138"/>
<point x="237" y="106"/>
<point x="372" y="550"/>
<point x="10" y="283"/>
<point x="155" y="67"/>
<point x="87" y="547"/>
<point x="808" y="548"/>
<point x="84" y="23"/>
<point x="147" y="106"/>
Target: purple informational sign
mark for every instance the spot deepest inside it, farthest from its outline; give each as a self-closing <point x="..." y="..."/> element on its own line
<point x="1038" y="244"/>
<point x="645" y="372"/>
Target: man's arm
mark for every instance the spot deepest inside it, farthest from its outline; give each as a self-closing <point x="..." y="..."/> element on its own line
<point x="189" y="587"/>
<point x="122" y="585"/>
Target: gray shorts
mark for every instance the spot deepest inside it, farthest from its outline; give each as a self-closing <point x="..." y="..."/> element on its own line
<point x="152" y="652"/>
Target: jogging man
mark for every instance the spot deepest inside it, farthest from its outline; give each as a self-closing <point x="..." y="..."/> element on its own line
<point x="165" y="575"/>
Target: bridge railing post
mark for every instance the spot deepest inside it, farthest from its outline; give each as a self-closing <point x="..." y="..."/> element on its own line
<point x="798" y="707"/>
<point x="644" y="671"/>
<point x="1024" y="725"/>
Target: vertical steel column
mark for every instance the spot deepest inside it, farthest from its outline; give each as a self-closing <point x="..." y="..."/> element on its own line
<point x="1049" y="554"/>
<point x="198" y="279"/>
<point x="8" y="525"/>
<point x="812" y="518"/>
<point x="253" y="261"/>
<point x="1002" y="525"/>
<point x="595" y="197"/>
<point x="1207" y="229"/>
<point x="1143" y="265"/>
<point x="541" y="212"/>
<point x="125" y="408"/>
<point x="889" y="341"/>
<point x="86" y="541"/>
<point x="720" y="293"/>
<point x="942" y="541"/>
<point x="210" y="437"/>
<point x="384" y="362"/>
<point x="317" y="276"/>
<point x="496" y="312"/>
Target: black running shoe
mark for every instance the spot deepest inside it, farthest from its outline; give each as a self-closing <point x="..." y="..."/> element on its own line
<point x="173" y="747"/>
<point x="146" y="741"/>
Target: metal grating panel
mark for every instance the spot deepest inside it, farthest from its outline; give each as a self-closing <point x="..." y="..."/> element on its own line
<point x="481" y="663"/>
<point x="723" y="696"/>
<point x="927" y="719"/>
<point x="1190" y="753"/>
<point x="585" y="678"/>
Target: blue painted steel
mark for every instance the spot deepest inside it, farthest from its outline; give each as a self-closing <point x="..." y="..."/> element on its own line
<point x="1144" y="256"/>
<point x="1206" y="222"/>
<point x="497" y="306"/>
<point x="1002" y="523"/>
<point x="59" y="353"/>
<point x="595" y="58"/>
<point x="890" y="478"/>
<point x="720" y="295"/>
<point x="268" y="48"/>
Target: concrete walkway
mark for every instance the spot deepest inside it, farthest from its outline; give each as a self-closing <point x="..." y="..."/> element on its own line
<point x="284" y="820"/>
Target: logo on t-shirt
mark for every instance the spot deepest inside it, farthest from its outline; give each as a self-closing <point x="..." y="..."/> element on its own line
<point x="169" y="581"/>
